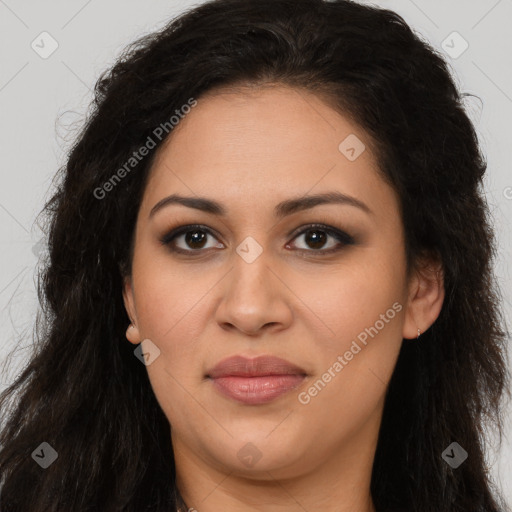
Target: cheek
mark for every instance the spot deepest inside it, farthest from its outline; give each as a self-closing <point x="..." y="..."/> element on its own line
<point x="360" y="309"/>
<point x="348" y="298"/>
<point x="171" y="313"/>
<point x="169" y="295"/>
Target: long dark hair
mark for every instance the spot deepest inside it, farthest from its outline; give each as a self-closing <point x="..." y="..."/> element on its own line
<point x="85" y="394"/>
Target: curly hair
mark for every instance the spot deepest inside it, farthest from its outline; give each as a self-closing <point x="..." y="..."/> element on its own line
<point x="85" y="393"/>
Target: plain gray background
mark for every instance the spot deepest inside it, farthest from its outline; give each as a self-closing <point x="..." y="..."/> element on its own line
<point x="43" y="101"/>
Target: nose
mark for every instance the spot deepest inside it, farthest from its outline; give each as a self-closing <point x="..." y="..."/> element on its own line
<point x="255" y="298"/>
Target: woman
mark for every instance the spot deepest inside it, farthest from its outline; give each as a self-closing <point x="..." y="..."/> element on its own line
<point x="269" y="283"/>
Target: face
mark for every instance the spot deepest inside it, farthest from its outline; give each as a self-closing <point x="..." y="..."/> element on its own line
<point x="263" y="272"/>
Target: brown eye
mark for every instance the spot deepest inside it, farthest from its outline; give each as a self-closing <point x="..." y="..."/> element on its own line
<point x="317" y="236"/>
<point x="195" y="239"/>
<point x="189" y="239"/>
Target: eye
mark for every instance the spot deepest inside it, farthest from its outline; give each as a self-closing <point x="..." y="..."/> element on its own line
<point x="316" y="237"/>
<point x="194" y="239"/>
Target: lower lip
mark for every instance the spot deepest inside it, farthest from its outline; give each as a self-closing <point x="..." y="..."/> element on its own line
<point x="256" y="390"/>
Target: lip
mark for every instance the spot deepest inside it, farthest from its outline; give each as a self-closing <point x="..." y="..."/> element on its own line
<point x="255" y="380"/>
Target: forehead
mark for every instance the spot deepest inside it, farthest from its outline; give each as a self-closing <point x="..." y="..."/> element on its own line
<point x="269" y="143"/>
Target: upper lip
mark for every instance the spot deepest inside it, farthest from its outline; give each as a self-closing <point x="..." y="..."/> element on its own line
<point x="254" y="367"/>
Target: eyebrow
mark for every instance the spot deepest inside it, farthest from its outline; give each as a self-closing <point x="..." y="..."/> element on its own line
<point x="282" y="209"/>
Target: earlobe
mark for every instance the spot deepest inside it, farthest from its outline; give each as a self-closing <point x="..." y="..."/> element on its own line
<point x="132" y="332"/>
<point x="426" y="297"/>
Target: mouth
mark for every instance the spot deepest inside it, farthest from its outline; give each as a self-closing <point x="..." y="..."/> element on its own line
<point x="255" y="381"/>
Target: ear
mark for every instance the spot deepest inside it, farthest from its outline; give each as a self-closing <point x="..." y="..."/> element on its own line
<point x="426" y="296"/>
<point x="132" y="332"/>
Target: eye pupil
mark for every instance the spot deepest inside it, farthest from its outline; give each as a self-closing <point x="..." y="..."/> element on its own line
<point x="193" y="237"/>
<point x="318" y="238"/>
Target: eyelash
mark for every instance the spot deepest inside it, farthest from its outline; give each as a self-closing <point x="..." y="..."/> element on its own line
<point x="343" y="238"/>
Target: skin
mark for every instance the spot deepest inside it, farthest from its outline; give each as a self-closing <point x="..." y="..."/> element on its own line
<point x="249" y="150"/>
